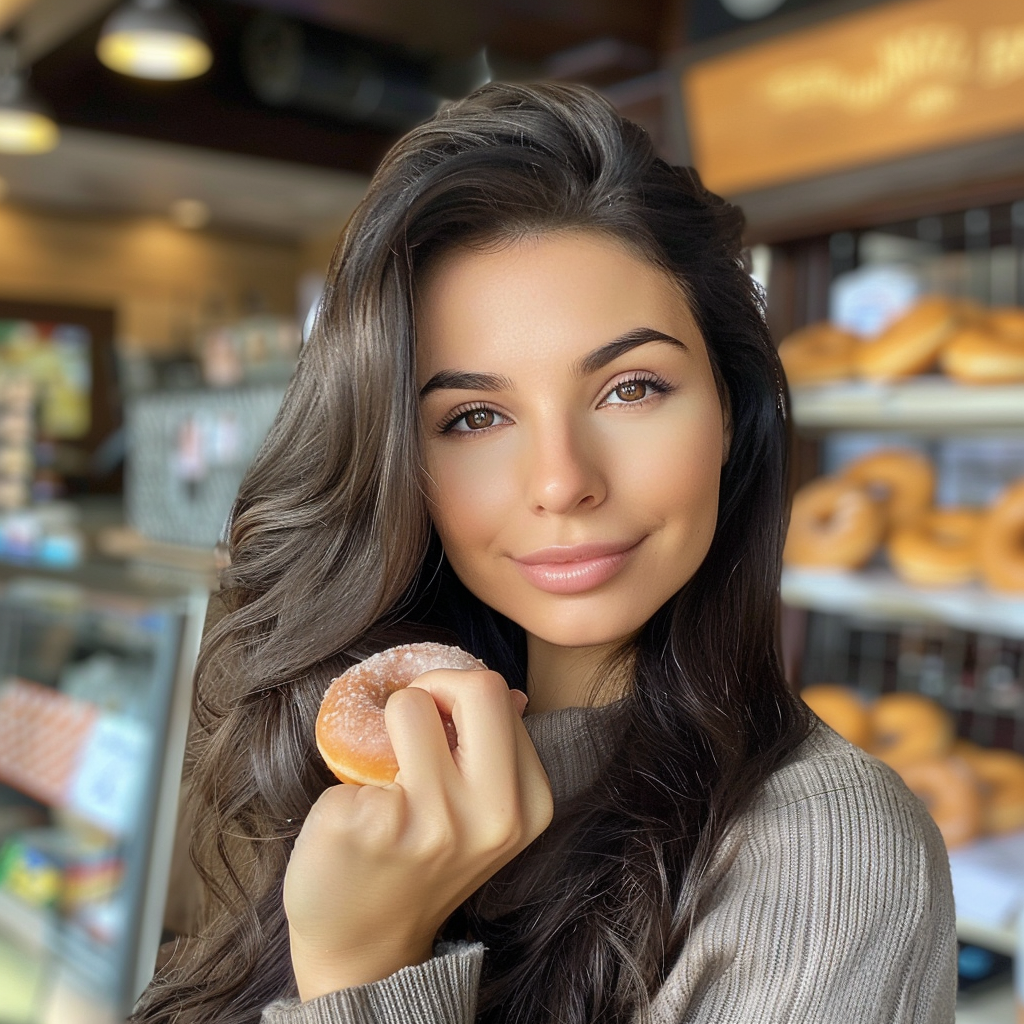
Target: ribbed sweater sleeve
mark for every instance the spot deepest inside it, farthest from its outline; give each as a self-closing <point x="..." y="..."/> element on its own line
<point x="441" y="991"/>
<point x="834" y="904"/>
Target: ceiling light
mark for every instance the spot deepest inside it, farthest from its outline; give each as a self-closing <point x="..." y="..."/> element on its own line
<point x="25" y="124"/>
<point x="190" y="213"/>
<point x="154" y="39"/>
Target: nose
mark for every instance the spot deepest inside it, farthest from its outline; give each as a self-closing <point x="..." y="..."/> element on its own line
<point x="564" y="470"/>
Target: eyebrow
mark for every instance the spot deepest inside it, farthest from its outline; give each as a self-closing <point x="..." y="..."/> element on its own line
<point x="464" y="380"/>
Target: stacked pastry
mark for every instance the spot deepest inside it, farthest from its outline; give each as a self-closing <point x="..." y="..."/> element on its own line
<point x="967" y="342"/>
<point x="886" y="499"/>
<point x="969" y="790"/>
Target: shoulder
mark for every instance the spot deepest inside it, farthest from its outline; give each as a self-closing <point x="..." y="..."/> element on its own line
<point x="840" y="827"/>
<point x="828" y="783"/>
<point x="828" y="899"/>
<point x="825" y="771"/>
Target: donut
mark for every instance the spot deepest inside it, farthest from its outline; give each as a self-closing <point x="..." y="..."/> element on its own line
<point x="1007" y="321"/>
<point x="910" y="344"/>
<point x="834" y="524"/>
<point x="908" y="727"/>
<point x="841" y="709"/>
<point x="818" y="353"/>
<point x="350" y="732"/>
<point x="902" y="480"/>
<point x="948" y="789"/>
<point x="938" y="550"/>
<point x="1000" y="775"/>
<point x="1001" y="545"/>
<point x="984" y="354"/>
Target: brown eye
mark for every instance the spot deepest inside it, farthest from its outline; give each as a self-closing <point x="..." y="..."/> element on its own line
<point x="631" y="390"/>
<point x="479" y="418"/>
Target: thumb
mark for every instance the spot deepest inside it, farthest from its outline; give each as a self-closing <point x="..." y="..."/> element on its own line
<point x="519" y="701"/>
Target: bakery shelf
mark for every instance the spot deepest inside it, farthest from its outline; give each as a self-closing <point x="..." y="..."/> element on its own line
<point x="999" y="940"/>
<point x="877" y="593"/>
<point x="988" y="886"/>
<point x="930" y="404"/>
<point x="987" y="1005"/>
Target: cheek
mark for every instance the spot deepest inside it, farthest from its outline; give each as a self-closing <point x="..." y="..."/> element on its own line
<point x="676" y="472"/>
<point x="469" y="497"/>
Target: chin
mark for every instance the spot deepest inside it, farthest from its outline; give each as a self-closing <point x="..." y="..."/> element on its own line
<point x="584" y="634"/>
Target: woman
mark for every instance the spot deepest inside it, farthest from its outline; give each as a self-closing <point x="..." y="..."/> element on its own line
<point x="540" y="417"/>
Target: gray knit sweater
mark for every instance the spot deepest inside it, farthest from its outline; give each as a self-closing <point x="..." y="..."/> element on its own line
<point x="832" y="903"/>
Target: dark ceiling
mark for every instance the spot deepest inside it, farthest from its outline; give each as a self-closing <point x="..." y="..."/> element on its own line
<point x="332" y="83"/>
<point x="419" y="49"/>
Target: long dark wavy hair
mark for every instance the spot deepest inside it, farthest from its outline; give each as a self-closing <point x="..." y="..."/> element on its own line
<point x="333" y="556"/>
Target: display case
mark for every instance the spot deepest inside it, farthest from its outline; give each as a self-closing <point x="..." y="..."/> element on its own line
<point x="962" y="646"/>
<point x="95" y="684"/>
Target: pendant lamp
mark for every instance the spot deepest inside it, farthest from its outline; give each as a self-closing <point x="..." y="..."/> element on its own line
<point x="25" y="124"/>
<point x="154" y="39"/>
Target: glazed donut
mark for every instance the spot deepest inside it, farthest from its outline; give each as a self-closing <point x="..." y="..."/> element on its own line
<point x="902" y="480"/>
<point x="949" y="791"/>
<point x="910" y="344"/>
<point x="834" y="524"/>
<point x="350" y="732"/>
<point x="938" y="550"/>
<point x="841" y="709"/>
<point x="1001" y="546"/>
<point x="984" y="354"/>
<point x="908" y="727"/>
<point x="1000" y="774"/>
<point x="818" y="353"/>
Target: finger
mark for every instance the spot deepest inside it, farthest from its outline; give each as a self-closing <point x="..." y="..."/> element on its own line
<point x="482" y="708"/>
<point x="535" y="796"/>
<point x="519" y="701"/>
<point x="417" y="734"/>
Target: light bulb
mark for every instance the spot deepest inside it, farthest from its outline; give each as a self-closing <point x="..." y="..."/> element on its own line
<point x="159" y="41"/>
<point x="25" y="125"/>
<point x="23" y="131"/>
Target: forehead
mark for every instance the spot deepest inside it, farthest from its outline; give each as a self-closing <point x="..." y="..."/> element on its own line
<point x="554" y="291"/>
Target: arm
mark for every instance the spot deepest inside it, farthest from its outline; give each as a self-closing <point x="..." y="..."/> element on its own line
<point x="837" y="906"/>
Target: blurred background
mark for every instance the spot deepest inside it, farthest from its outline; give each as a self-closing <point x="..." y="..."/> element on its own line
<point x="173" y="180"/>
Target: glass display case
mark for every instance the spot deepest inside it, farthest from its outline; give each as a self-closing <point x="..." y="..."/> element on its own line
<point x="95" y="684"/>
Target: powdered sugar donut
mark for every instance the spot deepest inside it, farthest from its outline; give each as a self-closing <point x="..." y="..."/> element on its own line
<point x="350" y="732"/>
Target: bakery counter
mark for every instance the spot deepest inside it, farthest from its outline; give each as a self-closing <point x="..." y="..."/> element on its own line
<point x="100" y="656"/>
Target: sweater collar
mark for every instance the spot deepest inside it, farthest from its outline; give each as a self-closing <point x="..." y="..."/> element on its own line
<point x="574" y="744"/>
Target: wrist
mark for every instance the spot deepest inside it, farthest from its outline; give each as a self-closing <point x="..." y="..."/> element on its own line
<point x="319" y="970"/>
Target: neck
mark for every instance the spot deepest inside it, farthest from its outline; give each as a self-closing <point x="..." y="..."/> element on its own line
<point x="565" y="677"/>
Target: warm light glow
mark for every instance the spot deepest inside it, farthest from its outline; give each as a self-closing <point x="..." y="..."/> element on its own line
<point x="190" y="213"/>
<point x="25" y="131"/>
<point x="162" y="55"/>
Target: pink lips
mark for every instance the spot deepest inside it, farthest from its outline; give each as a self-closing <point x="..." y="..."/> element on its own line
<point x="573" y="570"/>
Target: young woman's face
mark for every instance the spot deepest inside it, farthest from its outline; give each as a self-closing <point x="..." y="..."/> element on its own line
<point x="573" y="434"/>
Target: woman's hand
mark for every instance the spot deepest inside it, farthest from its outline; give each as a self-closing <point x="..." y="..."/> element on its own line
<point x="376" y="871"/>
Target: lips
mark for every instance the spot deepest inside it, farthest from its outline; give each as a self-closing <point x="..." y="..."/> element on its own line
<point x="575" y="570"/>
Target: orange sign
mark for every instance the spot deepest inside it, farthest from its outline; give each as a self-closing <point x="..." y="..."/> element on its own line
<point x="893" y="80"/>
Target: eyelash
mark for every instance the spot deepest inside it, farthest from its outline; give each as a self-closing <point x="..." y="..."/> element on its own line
<point x="658" y="385"/>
